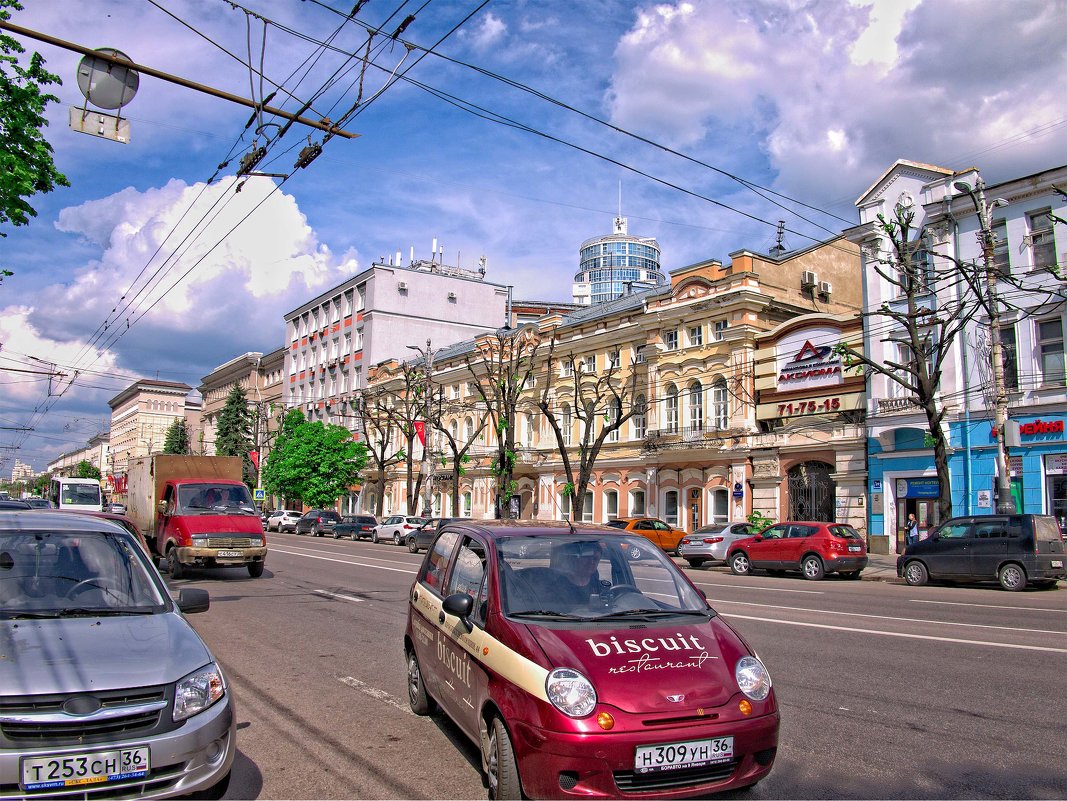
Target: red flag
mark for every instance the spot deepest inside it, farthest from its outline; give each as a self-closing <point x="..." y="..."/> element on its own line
<point x="254" y="456"/>
<point x="420" y="429"/>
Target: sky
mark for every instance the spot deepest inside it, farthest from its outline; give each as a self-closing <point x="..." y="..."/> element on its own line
<point x="506" y="129"/>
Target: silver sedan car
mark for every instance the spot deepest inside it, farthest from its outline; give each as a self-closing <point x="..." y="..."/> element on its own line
<point x="712" y="543"/>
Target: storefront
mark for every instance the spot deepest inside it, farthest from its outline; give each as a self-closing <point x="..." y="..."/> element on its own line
<point x="915" y="496"/>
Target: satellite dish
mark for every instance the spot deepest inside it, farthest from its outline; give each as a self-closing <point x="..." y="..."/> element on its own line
<point x="104" y="84"/>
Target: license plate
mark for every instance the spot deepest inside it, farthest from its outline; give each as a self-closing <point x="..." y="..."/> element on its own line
<point x="229" y="554"/>
<point x="855" y="548"/>
<point x="1057" y="563"/>
<point x="690" y="754"/>
<point x="88" y="767"/>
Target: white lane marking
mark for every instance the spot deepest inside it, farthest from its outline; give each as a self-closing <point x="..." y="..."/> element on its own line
<point x="752" y="587"/>
<point x="344" y="561"/>
<point x="374" y="692"/>
<point x="353" y="556"/>
<point x="901" y="634"/>
<point x="339" y="596"/>
<point x="885" y="617"/>
<point x="990" y="606"/>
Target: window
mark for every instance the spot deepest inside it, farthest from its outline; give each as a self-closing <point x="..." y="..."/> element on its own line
<point x="611" y="505"/>
<point x="1010" y="351"/>
<point x="920" y="277"/>
<point x="1001" y="260"/>
<point x="720" y="330"/>
<point x="696" y="336"/>
<point x="640" y="419"/>
<point x="564" y="505"/>
<point x="589" y="364"/>
<point x="670" y="507"/>
<point x="637" y="503"/>
<point x="433" y="574"/>
<point x="672" y="409"/>
<point x="720" y="403"/>
<point x="639" y="354"/>
<point x="566" y="423"/>
<point x="670" y="340"/>
<point x="613" y="360"/>
<point x="696" y="406"/>
<point x="1050" y="350"/>
<point x="465" y="502"/>
<point x="468" y="576"/>
<point x="1042" y="238"/>
<point x="566" y="368"/>
<point x="612" y="417"/>
<point x="587" y="508"/>
<point x="720" y="506"/>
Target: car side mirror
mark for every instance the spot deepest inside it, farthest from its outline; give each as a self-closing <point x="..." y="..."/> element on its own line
<point x="459" y="605"/>
<point x="757" y="538"/>
<point x="161" y="507"/>
<point x="192" y="600"/>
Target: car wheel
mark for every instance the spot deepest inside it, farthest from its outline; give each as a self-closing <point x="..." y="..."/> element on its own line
<point x="336" y="536"/>
<point x="1012" y="577"/>
<point x="915" y="574"/>
<point x="635" y="552"/>
<point x="502" y="772"/>
<point x="177" y="570"/>
<point x="695" y="562"/>
<point x="412" y="546"/>
<point x="397" y="539"/>
<point x="215" y="792"/>
<point x="255" y="569"/>
<point x="420" y="700"/>
<point x="374" y="537"/>
<point x="739" y="564"/>
<point x="316" y="532"/>
<point x="812" y="567"/>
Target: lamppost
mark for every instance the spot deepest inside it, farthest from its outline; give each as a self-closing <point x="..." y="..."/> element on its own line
<point x="427" y="484"/>
<point x="988" y="240"/>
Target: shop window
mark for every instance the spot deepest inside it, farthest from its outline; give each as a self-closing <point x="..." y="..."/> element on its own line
<point x="670" y="508"/>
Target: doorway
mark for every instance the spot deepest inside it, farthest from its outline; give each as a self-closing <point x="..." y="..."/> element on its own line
<point x="925" y="511"/>
<point x="811" y="492"/>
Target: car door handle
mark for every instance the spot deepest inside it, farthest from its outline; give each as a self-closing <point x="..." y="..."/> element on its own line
<point x="441" y="618"/>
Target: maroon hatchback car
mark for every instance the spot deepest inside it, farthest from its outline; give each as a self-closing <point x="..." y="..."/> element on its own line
<point x="582" y="671"/>
<point x="812" y="548"/>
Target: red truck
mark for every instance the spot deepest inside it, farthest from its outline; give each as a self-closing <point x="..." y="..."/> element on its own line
<point x="196" y="512"/>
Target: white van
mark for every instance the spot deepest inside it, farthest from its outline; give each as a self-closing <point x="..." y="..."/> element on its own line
<point x="76" y="494"/>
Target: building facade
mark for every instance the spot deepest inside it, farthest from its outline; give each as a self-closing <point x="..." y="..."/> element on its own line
<point x="140" y="417"/>
<point x="615" y="265"/>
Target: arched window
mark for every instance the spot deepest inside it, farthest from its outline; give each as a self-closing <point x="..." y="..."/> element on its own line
<point x="468" y="430"/>
<point x="720" y="506"/>
<point x="613" y="415"/>
<point x="640" y="417"/>
<point x="720" y="403"/>
<point x="672" y="409"/>
<point x="696" y="406"/>
<point x="566" y="423"/>
<point x="466" y="502"/>
<point x="637" y="503"/>
<point x="611" y="505"/>
<point x="670" y="507"/>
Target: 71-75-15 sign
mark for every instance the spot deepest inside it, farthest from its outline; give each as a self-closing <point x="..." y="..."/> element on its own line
<point x="813" y="406"/>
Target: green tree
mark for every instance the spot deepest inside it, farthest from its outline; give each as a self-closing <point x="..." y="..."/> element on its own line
<point x="177" y="440"/>
<point x="233" y="436"/>
<point x="85" y="469"/>
<point x="26" y="165"/>
<point x="314" y="462"/>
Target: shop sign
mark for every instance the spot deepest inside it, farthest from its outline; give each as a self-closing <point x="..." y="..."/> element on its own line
<point x="918" y="488"/>
<point x="811" y="366"/>
<point x="1041" y="427"/>
<point x="1056" y="464"/>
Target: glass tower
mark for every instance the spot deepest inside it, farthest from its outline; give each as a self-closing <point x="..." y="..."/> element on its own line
<point x="611" y="266"/>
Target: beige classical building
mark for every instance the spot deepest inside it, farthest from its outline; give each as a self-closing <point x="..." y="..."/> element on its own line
<point x="140" y="417"/>
<point x="260" y="376"/>
<point x="693" y="371"/>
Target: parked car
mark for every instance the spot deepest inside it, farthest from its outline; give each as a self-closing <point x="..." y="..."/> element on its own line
<point x="422" y="537"/>
<point x="137" y="706"/>
<point x="355" y="526"/>
<point x="13" y="504"/>
<point x="395" y="529"/>
<point x="317" y="522"/>
<point x="557" y="701"/>
<point x="121" y="520"/>
<point x="665" y="536"/>
<point x="1016" y="550"/>
<point x="712" y="543"/>
<point x="264" y="515"/>
<point x="116" y="508"/>
<point x="283" y="520"/>
<point x="38" y="503"/>
<point x="813" y="548"/>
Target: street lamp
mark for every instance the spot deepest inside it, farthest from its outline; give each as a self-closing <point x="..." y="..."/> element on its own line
<point x="988" y="240"/>
<point x="427" y="484"/>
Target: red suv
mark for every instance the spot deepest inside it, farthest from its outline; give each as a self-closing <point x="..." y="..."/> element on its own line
<point x="813" y="548"/>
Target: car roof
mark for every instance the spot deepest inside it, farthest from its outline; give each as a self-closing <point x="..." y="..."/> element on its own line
<point x="60" y="520"/>
<point x="494" y="529"/>
<point x="13" y="504"/>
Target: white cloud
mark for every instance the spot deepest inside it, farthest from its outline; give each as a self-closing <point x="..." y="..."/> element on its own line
<point x="490" y="31"/>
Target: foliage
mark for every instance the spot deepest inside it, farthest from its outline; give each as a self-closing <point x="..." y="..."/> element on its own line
<point x="26" y="165"/>
<point x="177" y="439"/>
<point x="85" y="469"/>
<point x="315" y="462"/>
<point x="760" y="520"/>
<point x="233" y="436"/>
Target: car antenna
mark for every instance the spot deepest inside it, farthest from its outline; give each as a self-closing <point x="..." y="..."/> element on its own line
<point x="570" y="523"/>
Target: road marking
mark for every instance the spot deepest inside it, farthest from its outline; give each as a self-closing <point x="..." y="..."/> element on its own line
<point x="989" y="606"/>
<point x="753" y="587"/>
<point x="374" y="692"/>
<point x="343" y="561"/>
<point x="902" y="635"/>
<point x="350" y="555"/>
<point x="338" y="596"/>
<point x="886" y="617"/>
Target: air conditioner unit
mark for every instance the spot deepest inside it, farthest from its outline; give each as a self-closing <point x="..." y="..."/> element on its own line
<point x="825" y="287"/>
<point x="808" y="279"/>
<point x="451" y="295"/>
<point x="402" y="286"/>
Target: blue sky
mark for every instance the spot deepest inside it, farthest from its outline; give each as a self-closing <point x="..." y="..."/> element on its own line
<point x="811" y="99"/>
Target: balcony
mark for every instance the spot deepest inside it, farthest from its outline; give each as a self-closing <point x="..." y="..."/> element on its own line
<point x="684" y="437"/>
<point x="895" y="405"/>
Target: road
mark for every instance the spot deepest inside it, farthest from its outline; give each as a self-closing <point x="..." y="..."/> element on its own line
<point x="886" y="691"/>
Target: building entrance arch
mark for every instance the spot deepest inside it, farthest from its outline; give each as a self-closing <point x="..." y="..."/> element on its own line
<point x="811" y="492"/>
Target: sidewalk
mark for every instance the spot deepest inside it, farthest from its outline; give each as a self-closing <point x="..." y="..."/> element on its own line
<point x="880" y="567"/>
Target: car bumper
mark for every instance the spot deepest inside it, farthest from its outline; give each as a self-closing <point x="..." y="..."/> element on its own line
<point x="846" y="564"/>
<point x="710" y="552"/>
<point x="577" y="765"/>
<point x="193" y="758"/>
<point x="207" y="557"/>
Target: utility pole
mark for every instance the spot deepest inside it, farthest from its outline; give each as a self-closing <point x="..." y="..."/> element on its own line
<point x="427" y="483"/>
<point x="988" y="240"/>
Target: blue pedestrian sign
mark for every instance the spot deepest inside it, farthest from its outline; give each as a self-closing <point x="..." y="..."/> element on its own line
<point x="259" y="494"/>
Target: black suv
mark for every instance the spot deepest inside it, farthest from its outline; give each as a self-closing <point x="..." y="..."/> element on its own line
<point x="317" y="522"/>
<point x="355" y="526"/>
<point x="1015" y="550"/>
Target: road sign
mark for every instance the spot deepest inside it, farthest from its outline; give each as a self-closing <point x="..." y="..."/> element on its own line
<point x="259" y="494"/>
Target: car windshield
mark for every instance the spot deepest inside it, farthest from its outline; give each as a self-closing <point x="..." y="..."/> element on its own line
<point x="68" y="574"/>
<point x="589" y="576"/>
<point x="215" y="499"/>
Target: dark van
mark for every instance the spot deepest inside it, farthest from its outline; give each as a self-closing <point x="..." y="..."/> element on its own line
<point x="1016" y="550"/>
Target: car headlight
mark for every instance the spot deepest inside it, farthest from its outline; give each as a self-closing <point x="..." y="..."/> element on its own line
<point x="570" y="692"/>
<point x="255" y="542"/>
<point x="198" y="691"/>
<point x="752" y="678"/>
<point x="199" y="542"/>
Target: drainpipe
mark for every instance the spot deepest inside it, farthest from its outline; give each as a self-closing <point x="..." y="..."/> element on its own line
<point x="966" y="371"/>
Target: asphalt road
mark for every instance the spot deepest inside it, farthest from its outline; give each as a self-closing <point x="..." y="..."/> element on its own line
<point x="886" y="691"/>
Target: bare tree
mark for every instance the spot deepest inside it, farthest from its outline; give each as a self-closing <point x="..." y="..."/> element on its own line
<point x="372" y="410"/>
<point x="502" y="367"/>
<point x="441" y="412"/>
<point x="606" y="396"/>
<point x="404" y="411"/>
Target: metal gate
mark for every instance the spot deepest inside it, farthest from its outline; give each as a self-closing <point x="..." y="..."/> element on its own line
<point x="811" y="492"/>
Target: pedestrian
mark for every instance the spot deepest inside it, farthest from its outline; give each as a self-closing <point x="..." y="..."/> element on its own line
<point x="911" y="530"/>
